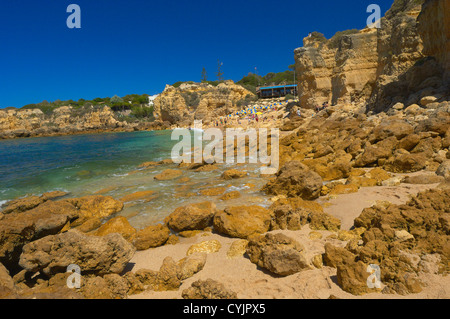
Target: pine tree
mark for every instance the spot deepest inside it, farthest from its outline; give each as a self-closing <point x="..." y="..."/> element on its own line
<point x="219" y="71"/>
<point x="204" y="75"/>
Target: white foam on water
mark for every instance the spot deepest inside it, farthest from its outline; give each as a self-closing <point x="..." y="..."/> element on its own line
<point x="120" y="175"/>
<point x="2" y="202"/>
<point x="237" y="188"/>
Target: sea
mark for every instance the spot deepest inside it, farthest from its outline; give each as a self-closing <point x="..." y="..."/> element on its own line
<point x="108" y="164"/>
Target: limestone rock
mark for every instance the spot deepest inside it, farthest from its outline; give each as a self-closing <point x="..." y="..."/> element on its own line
<point x="209" y="246"/>
<point x="444" y="170"/>
<point x="95" y="206"/>
<point x="18" y="229"/>
<point x="214" y="191"/>
<point x="96" y="255"/>
<point x="151" y="236"/>
<point x="200" y="101"/>
<point x="208" y="289"/>
<point x="118" y="225"/>
<point x="168" y="174"/>
<point x="191" y="265"/>
<point x="295" y="179"/>
<point x="237" y="248"/>
<point x="141" y="196"/>
<point x="233" y="174"/>
<point x="243" y="221"/>
<point x="108" y="287"/>
<point x="277" y="253"/>
<point x="230" y="195"/>
<point x="191" y="217"/>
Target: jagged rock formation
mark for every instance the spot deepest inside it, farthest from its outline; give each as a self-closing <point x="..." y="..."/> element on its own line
<point x="63" y="120"/>
<point x="403" y="61"/>
<point x="198" y="101"/>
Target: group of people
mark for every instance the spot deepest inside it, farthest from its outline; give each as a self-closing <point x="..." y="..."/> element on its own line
<point x="323" y="107"/>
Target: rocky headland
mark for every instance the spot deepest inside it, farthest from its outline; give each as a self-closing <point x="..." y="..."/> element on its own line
<point x="199" y="101"/>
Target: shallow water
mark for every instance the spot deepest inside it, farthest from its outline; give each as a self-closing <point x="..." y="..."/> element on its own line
<point x="107" y="164"/>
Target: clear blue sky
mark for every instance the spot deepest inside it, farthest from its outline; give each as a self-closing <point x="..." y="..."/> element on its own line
<point x="138" y="46"/>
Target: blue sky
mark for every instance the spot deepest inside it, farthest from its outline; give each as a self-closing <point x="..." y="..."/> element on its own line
<point x="139" y="46"/>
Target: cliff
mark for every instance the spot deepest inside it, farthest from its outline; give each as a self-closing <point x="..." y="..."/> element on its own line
<point x="402" y="61"/>
<point x="63" y="120"/>
<point x="198" y="101"/>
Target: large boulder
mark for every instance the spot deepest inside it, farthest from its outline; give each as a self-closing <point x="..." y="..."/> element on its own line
<point x="405" y="162"/>
<point x="30" y="202"/>
<point x="118" y="225"/>
<point x="374" y="153"/>
<point x="396" y="128"/>
<point x="18" y="229"/>
<point x="243" y="221"/>
<point x="295" y="179"/>
<point x="151" y="236"/>
<point x="94" y="255"/>
<point x="277" y="253"/>
<point x="191" y="217"/>
<point x="95" y="206"/>
<point x="191" y="265"/>
<point x="22" y="204"/>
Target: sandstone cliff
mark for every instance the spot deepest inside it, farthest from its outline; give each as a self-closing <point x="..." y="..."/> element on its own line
<point x="198" y="101"/>
<point x="63" y="120"/>
<point x="402" y="61"/>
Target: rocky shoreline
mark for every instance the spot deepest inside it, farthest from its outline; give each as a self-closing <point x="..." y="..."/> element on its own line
<point x="362" y="183"/>
<point x="64" y="121"/>
<point x="304" y="236"/>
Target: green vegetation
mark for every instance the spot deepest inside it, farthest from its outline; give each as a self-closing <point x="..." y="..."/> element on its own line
<point x="204" y="75"/>
<point x="252" y="81"/>
<point x="400" y="6"/>
<point x="219" y="71"/>
<point x="136" y="103"/>
<point x="318" y="37"/>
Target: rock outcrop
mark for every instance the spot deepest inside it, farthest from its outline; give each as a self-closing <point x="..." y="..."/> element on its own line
<point x="63" y="120"/>
<point x="108" y="254"/>
<point x="404" y="60"/>
<point x="198" y="101"/>
<point x="277" y="253"/>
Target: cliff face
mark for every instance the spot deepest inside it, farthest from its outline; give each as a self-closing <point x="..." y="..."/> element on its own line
<point x="376" y="68"/>
<point x="434" y="28"/>
<point x="198" y="101"/>
<point x="63" y="120"/>
<point x="341" y="72"/>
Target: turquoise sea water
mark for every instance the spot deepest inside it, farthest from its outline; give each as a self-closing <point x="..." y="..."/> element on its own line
<point x="37" y="165"/>
<point x="107" y="164"/>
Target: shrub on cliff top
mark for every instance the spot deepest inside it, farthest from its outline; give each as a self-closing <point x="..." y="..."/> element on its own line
<point x="335" y="39"/>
